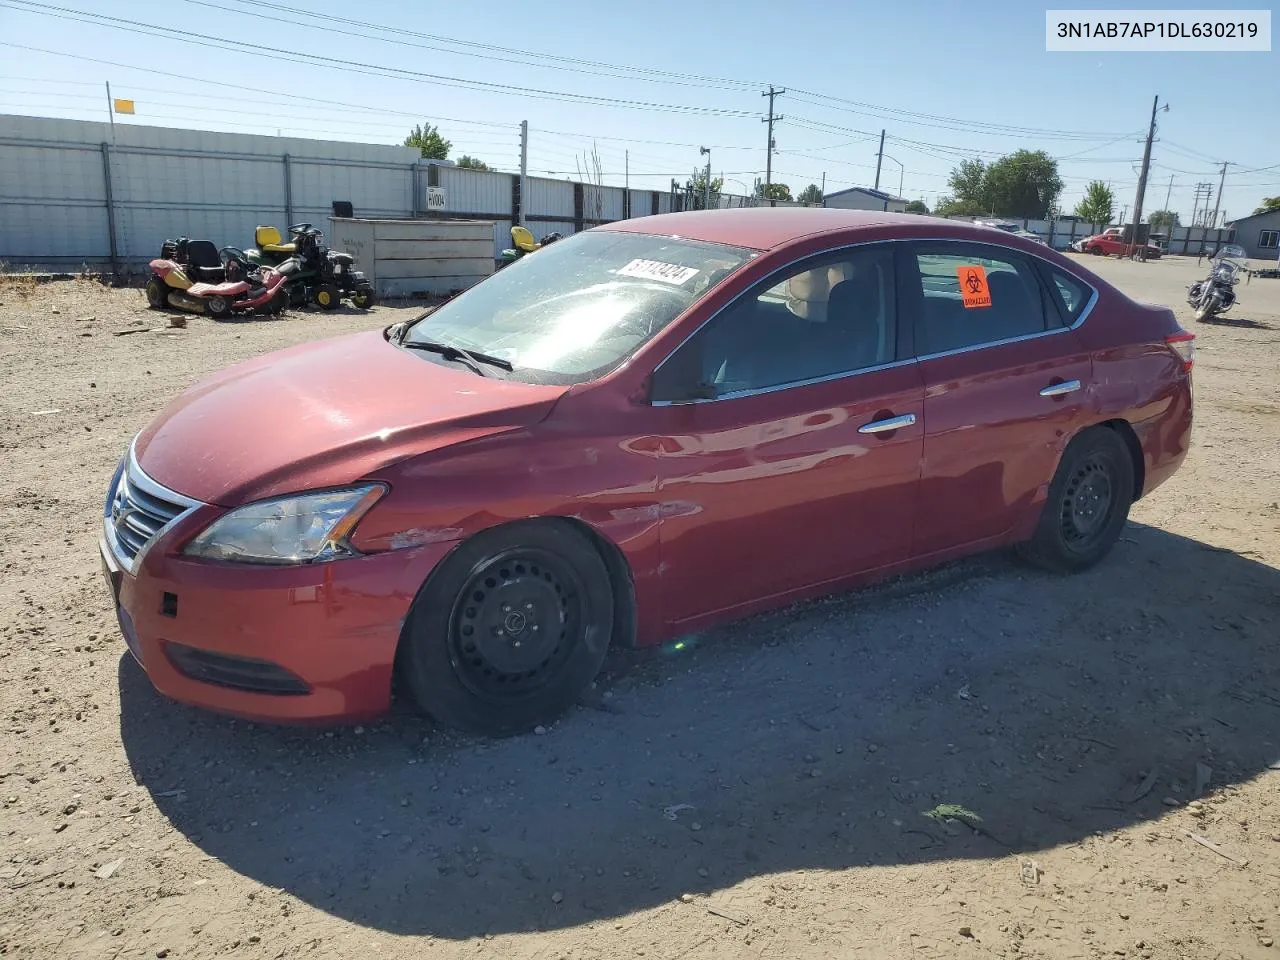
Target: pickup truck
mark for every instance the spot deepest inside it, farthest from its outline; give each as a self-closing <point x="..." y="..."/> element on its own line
<point x="1111" y="243"/>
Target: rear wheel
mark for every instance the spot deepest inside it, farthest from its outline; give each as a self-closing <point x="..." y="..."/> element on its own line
<point x="326" y="296"/>
<point x="157" y="294"/>
<point x="1088" y="504"/>
<point x="218" y="307"/>
<point x="510" y="630"/>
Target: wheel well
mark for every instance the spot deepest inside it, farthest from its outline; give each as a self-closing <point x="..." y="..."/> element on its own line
<point x="1126" y="432"/>
<point x="624" y="588"/>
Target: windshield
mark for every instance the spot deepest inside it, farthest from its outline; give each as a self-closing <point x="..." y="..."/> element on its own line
<point x="1230" y="251"/>
<point x="571" y="311"/>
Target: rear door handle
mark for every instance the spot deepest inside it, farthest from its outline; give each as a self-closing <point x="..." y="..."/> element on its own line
<point x="892" y="423"/>
<point x="1058" y="389"/>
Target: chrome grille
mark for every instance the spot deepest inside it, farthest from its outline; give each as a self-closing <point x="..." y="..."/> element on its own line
<point x="138" y="509"/>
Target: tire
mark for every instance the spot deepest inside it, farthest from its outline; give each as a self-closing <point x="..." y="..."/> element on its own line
<point x="1088" y="504"/>
<point x="510" y="630"/>
<point x="218" y="307"/>
<point x="1096" y="250"/>
<point x="362" y="299"/>
<point x="326" y="297"/>
<point x="157" y="294"/>
<point x="1205" y="310"/>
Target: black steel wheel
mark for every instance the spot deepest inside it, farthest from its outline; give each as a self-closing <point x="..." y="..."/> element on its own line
<point x="510" y="629"/>
<point x="1088" y="503"/>
<point x="511" y="625"/>
<point x="157" y="293"/>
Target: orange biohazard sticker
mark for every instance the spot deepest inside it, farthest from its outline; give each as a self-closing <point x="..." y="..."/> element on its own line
<point x="973" y="286"/>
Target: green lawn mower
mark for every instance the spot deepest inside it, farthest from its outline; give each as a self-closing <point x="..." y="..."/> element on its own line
<point x="324" y="277"/>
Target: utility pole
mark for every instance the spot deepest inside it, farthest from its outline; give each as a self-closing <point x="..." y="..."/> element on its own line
<point x="524" y="166"/>
<point x="824" y="188"/>
<point x="111" y="112"/>
<point x="706" y="183"/>
<point x="626" y="180"/>
<point x="1167" y="194"/>
<point x="768" y="154"/>
<point x="1142" y="177"/>
<point x="879" y="159"/>
<point x="1222" y="181"/>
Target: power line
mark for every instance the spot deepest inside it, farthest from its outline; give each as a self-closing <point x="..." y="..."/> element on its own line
<point x="353" y="66"/>
<point x="640" y="72"/>
<point x="327" y="23"/>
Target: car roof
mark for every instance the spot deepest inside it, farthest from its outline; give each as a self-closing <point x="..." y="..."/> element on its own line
<point x="764" y="228"/>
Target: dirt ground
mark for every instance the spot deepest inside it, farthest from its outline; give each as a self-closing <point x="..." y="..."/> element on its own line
<point x="981" y="761"/>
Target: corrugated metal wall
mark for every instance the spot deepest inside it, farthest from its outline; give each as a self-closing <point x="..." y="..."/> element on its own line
<point x="167" y="183"/>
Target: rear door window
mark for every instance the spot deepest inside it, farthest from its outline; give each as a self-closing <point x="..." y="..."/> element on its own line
<point x="973" y="294"/>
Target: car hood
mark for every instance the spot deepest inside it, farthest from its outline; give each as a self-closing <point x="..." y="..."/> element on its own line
<point x="324" y="414"/>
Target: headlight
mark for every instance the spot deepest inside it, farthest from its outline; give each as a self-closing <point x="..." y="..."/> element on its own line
<point x="299" y="529"/>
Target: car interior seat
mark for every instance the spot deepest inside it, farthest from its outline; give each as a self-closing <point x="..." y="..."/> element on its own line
<point x="268" y="240"/>
<point x="1012" y="306"/>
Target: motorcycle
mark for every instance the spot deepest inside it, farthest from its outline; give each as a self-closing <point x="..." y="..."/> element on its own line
<point x="522" y="244"/>
<point x="1215" y="294"/>
<point x="324" y="277"/>
<point x="193" y="275"/>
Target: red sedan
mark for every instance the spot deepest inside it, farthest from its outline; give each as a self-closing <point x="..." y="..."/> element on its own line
<point x="639" y="431"/>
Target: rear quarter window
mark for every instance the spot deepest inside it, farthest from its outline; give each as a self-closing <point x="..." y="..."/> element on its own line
<point x="1072" y="293"/>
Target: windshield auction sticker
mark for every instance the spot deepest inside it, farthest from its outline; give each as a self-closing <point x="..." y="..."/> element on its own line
<point x="671" y="273"/>
<point x="973" y="286"/>
<point x="1158" y="30"/>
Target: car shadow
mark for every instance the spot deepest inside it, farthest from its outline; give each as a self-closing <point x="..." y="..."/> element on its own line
<point x="871" y="729"/>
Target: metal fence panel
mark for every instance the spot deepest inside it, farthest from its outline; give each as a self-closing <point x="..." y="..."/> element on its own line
<point x="549" y="197"/>
<point x="471" y="191"/>
<point x="374" y="191"/>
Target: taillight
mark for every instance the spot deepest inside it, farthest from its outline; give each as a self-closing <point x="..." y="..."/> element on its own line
<point x="1184" y="345"/>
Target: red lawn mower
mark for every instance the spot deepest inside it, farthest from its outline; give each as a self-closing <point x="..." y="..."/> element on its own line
<point x="195" y="276"/>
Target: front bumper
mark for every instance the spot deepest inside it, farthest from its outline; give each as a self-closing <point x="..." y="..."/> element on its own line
<point x="311" y="643"/>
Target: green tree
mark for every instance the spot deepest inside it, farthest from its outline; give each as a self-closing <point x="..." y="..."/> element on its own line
<point x="1023" y="184"/>
<point x="775" y="191"/>
<point x="1268" y="204"/>
<point x="918" y="206"/>
<point x="430" y="144"/>
<point x="468" y="162"/>
<point x="969" y="190"/>
<point x="1098" y="204"/>
<point x="811" y="194"/>
<point x="1164" y="220"/>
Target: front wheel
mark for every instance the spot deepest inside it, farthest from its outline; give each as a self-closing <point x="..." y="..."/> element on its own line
<point x="511" y="629"/>
<point x="362" y="299"/>
<point x="1088" y="504"/>
<point x="1206" y="309"/>
<point x="157" y="294"/>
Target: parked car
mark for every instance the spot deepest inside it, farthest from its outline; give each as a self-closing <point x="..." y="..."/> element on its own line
<point x="646" y="429"/>
<point x="1111" y="242"/>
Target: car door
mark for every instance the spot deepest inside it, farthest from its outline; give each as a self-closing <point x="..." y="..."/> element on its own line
<point x="1006" y="383"/>
<point x="789" y="438"/>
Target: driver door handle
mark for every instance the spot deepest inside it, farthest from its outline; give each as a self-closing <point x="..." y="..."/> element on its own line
<point x="1058" y="389"/>
<point x="892" y="423"/>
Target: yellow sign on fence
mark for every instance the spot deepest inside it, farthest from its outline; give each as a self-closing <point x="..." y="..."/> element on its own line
<point x="124" y="106"/>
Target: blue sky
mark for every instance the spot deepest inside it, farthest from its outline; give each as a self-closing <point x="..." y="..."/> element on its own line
<point x="946" y="81"/>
